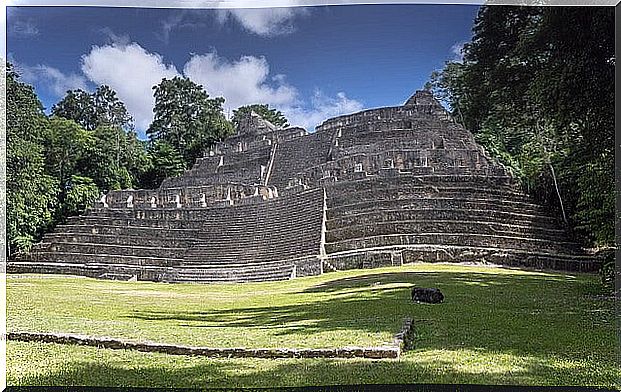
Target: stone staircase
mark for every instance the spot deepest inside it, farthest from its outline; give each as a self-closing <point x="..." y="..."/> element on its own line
<point x="381" y="187"/>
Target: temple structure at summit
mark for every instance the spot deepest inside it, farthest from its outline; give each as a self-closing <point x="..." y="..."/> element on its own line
<point x="382" y="187"/>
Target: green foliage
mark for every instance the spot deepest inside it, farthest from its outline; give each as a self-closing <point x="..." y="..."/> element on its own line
<point x="537" y="88"/>
<point x="116" y="159"/>
<point x="31" y="192"/>
<point x="272" y="115"/>
<point x="66" y="147"/>
<point x="81" y="193"/>
<point x="101" y="108"/>
<point x="186" y="119"/>
<point x="58" y="166"/>
<point x="166" y="161"/>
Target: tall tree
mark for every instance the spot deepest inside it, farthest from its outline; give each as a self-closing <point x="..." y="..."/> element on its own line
<point x="186" y="118"/>
<point x="272" y="115"/>
<point x="31" y="193"/>
<point x="101" y="108"/>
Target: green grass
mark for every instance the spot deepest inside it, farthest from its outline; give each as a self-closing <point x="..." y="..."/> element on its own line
<point x="496" y="326"/>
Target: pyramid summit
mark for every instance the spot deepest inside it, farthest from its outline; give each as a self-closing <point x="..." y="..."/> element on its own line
<point x="380" y="187"/>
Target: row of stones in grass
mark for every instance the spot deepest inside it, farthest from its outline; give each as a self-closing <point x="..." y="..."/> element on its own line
<point x="463" y="215"/>
<point x="251" y="271"/>
<point x="455" y="239"/>
<point x="381" y="352"/>
<point x="440" y="226"/>
<point x="395" y="256"/>
<point x="412" y="201"/>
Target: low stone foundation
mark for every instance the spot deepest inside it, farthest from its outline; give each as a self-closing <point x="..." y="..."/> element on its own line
<point x="392" y="351"/>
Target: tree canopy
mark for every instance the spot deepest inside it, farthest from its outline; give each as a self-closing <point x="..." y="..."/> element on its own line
<point x="101" y="108"/>
<point x="272" y="115"/>
<point x="186" y="118"/>
<point x="536" y="86"/>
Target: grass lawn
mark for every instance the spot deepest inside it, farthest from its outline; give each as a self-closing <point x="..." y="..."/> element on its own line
<point x="496" y="326"/>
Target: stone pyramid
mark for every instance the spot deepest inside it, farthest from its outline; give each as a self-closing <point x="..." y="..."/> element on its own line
<point x="382" y="187"/>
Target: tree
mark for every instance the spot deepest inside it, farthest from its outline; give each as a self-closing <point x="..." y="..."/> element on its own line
<point x="537" y="88"/>
<point x="101" y="108"/>
<point x="186" y="119"/>
<point x="166" y="161"/>
<point x="31" y="193"/>
<point x="272" y="115"/>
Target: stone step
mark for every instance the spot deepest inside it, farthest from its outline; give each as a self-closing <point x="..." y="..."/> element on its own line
<point x="466" y="185"/>
<point x="117" y="276"/>
<point x="455" y="239"/>
<point x="257" y="273"/>
<point x="489" y="216"/>
<point x="98" y="258"/>
<point x="126" y="239"/>
<point x="116" y="249"/>
<point x="447" y="226"/>
<point x="411" y="201"/>
<point x="153" y="232"/>
<point x="381" y="257"/>
<point x="380" y="194"/>
<point x="248" y="255"/>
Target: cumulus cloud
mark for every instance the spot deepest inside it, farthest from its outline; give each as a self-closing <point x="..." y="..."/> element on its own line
<point x="240" y="82"/>
<point x="248" y="81"/>
<point x="266" y="22"/>
<point x="51" y="78"/>
<point x="320" y="109"/>
<point x="132" y="72"/>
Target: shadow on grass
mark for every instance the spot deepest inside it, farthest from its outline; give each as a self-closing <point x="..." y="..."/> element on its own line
<point x="202" y="373"/>
<point x="480" y="311"/>
<point x="491" y="329"/>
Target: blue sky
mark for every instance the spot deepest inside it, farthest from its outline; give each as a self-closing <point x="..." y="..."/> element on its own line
<point x="310" y="62"/>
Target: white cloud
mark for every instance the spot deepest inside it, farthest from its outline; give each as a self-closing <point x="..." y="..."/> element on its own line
<point x="240" y="82"/>
<point x="457" y="51"/>
<point x="132" y="72"/>
<point x="53" y="79"/>
<point x="246" y="81"/>
<point x="266" y="22"/>
<point x="321" y="108"/>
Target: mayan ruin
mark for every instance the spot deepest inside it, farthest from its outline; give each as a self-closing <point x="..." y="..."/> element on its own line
<point x="382" y="187"/>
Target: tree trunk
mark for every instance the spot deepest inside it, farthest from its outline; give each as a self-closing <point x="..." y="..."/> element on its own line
<point x="558" y="192"/>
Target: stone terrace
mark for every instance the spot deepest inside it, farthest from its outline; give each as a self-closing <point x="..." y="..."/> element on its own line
<point x="381" y="187"/>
